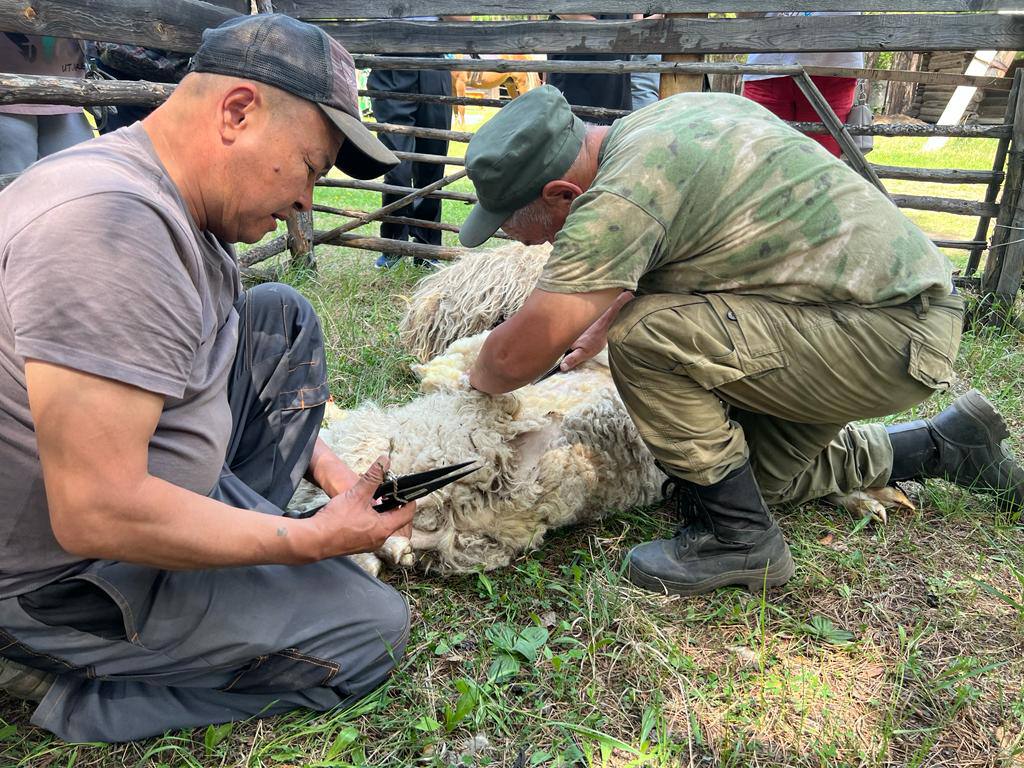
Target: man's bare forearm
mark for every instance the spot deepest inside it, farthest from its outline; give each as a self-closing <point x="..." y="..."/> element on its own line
<point x="328" y="472"/>
<point x="604" y="322"/>
<point x="166" y="526"/>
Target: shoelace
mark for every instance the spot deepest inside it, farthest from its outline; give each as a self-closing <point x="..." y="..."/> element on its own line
<point x="678" y="494"/>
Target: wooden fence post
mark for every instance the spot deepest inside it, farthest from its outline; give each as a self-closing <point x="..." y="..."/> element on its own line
<point x="992" y="191"/>
<point x="1004" y="267"/>
<point x="671" y="84"/>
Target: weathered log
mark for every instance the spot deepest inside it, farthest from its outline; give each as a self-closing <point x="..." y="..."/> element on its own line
<point x="175" y="25"/>
<point x="946" y="205"/>
<point x="78" y="92"/>
<point x="992" y="191"/>
<point x="937" y="175"/>
<point x="376" y="186"/>
<point x="423" y="223"/>
<point x="427" y="98"/>
<point x="300" y="237"/>
<point x="1005" y="264"/>
<point x="962" y="245"/>
<point x="883" y="32"/>
<point x="263" y="252"/>
<point x="413" y="195"/>
<point x="709" y="68"/>
<point x="426" y="133"/>
<point x="969" y="131"/>
<point x="419" y="157"/>
<point x="356" y="9"/>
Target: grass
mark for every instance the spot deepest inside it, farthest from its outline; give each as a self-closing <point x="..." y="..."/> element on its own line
<point x="900" y="645"/>
<point x="970" y="154"/>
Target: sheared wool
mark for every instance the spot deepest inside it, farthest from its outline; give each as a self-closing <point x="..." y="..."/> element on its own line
<point x="473" y="294"/>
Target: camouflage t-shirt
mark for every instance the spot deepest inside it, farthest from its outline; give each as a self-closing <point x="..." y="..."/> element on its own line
<point x="712" y="193"/>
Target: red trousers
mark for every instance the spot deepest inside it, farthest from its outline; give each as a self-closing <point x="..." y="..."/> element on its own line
<point x="780" y="96"/>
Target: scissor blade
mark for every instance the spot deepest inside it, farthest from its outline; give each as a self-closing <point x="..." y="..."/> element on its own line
<point x="557" y="368"/>
<point x="389" y="502"/>
<point x="407" y="482"/>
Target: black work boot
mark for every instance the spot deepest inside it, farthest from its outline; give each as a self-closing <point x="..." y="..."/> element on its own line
<point x="23" y="682"/>
<point x="727" y="536"/>
<point x="964" y="444"/>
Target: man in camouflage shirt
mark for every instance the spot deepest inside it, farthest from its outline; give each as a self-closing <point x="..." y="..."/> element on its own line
<point x="779" y="297"/>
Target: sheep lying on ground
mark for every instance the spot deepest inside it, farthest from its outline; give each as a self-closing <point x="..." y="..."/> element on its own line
<point x="557" y="452"/>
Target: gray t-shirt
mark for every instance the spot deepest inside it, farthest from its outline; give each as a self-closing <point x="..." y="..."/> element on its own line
<point x="103" y="270"/>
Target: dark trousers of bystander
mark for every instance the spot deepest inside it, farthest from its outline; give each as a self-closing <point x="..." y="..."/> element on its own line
<point x="408" y="173"/>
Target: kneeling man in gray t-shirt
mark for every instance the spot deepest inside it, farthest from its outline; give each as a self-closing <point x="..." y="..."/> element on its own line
<point x="155" y="418"/>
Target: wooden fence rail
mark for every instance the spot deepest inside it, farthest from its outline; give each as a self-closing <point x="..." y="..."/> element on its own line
<point x="355" y="9"/>
<point x="177" y="25"/>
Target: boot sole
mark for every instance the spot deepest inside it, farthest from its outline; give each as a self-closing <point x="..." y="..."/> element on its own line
<point x="775" y="575"/>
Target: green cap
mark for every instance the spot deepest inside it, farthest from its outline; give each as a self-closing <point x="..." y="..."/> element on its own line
<point x="530" y="142"/>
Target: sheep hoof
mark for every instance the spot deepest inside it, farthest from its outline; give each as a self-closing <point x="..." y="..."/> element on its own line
<point x="368" y="561"/>
<point x="872" y="503"/>
<point x="397" y="550"/>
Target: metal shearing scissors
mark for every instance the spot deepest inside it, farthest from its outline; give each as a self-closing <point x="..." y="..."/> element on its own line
<point x="397" y="490"/>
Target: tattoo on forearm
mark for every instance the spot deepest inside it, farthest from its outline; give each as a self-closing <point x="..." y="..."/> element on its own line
<point x="282" y="531"/>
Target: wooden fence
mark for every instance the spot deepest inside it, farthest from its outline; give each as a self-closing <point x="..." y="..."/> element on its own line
<point x="690" y="29"/>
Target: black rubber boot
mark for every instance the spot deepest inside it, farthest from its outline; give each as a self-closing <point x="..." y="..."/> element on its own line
<point x="727" y="537"/>
<point x="23" y="682"/>
<point x="964" y="444"/>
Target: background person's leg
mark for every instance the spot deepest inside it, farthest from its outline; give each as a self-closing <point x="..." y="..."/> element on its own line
<point x="57" y="132"/>
<point x="839" y="92"/>
<point x="397" y="113"/>
<point x="644" y="86"/>
<point x="19" y="146"/>
<point x="774" y="94"/>
<point x="430" y="116"/>
<point x="277" y="392"/>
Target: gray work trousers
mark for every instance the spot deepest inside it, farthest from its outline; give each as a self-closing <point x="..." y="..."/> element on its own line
<point x="140" y="651"/>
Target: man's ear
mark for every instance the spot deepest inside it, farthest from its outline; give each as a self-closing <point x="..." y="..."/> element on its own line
<point x="560" y="192"/>
<point x="237" y="108"/>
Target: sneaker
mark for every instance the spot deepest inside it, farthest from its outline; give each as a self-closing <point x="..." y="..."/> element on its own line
<point x="426" y="263"/>
<point x="23" y="682"/>
<point x="386" y="262"/>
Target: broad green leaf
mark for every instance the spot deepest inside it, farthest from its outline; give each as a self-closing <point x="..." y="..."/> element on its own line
<point x="502" y="668"/>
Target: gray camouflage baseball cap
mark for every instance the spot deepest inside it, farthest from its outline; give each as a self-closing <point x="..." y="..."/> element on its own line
<point x="531" y="141"/>
<point x="304" y="60"/>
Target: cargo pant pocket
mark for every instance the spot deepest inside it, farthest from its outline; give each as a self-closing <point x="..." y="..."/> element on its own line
<point x="754" y="336"/>
<point x="930" y="366"/>
<point x="286" y="670"/>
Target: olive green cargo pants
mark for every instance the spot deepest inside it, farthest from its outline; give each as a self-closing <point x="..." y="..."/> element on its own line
<point x="711" y="380"/>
